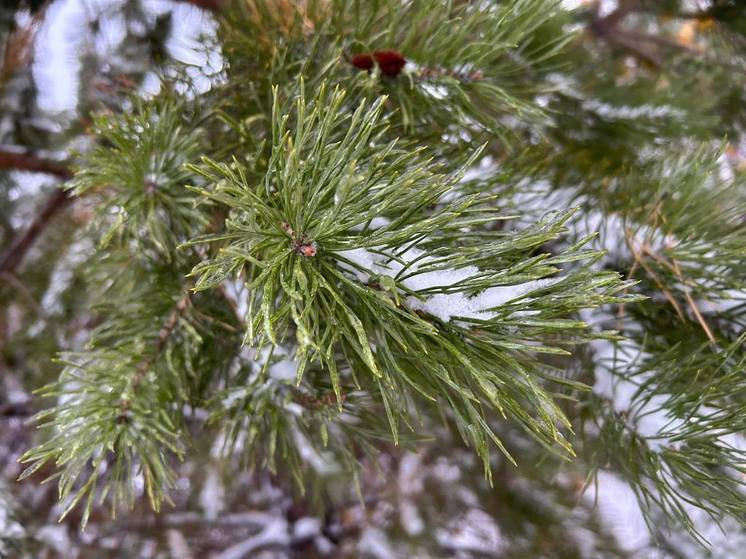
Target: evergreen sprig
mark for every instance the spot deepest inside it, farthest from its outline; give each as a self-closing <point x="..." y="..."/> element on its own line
<point x="296" y="235"/>
<point x="470" y="68"/>
<point x="136" y="169"/>
<point x="694" y="458"/>
<point x="119" y="415"/>
<point x="386" y="283"/>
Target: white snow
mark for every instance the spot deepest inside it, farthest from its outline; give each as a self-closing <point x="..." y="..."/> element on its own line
<point x="58" y="46"/>
<point x="57" y="538"/>
<point x="375" y="543"/>
<point x="10" y="529"/>
<point x="322" y="462"/>
<point x="482" y="170"/>
<point x="177" y="545"/>
<point x="448" y="305"/>
<point x="284" y="370"/>
<point x="375" y="223"/>
<point x="25" y="193"/>
<point x="619" y="511"/>
<point x="610" y="111"/>
<point x="445" y="306"/>
<point x="435" y="91"/>
<point x="62" y="275"/>
<point x="65" y="36"/>
<point x="616" y="235"/>
<point x="474" y="531"/>
<point x="726" y="542"/>
<point x="274" y="533"/>
<point x="411" y="483"/>
<point x="212" y="496"/>
<point x="445" y="471"/>
<point x="410" y="519"/>
<point x="617" y="381"/>
<point x="306" y="527"/>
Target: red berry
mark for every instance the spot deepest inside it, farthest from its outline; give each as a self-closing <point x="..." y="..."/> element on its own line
<point x="362" y="61"/>
<point x="390" y="62"/>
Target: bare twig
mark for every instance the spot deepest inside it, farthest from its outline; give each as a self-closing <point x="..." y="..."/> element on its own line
<point x="608" y="28"/>
<point x="693" y="305"/>
<point x="24" y="161"/>
<point x="168" y="328"/>
<point x="23" y="292"/>
<point x="639" y="255"/>
<point x="211" y="5"/>
<point x="644" y="46"/>
<point x="14" y="254"/>
<point x="163" y="336"/>
<point x="16" y="409"/>
<point x="17" y="51"/>
<point x="12" y="257"/>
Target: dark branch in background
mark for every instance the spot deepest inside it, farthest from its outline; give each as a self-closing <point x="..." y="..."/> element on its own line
<point x="12" y="257"/>
<point x="703" y="15"/>
<point x="608" y="28"/>
<point x="644" y="46"/>
<point x="14" y="254"/>
<point x="211" y="5"/>
<point x="24" y="161"/>
<point x="163" y="336"/>
<point x="16" y="409"/>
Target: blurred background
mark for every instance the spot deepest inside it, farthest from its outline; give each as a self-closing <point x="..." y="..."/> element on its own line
<point x="62" y="61"/>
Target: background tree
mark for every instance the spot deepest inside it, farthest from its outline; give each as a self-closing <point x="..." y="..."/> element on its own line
<point x="343" y="278"/>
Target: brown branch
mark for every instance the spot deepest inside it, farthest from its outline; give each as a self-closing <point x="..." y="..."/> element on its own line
<point x="614" y="18"/>
<point x="644" y="46"/>
<point x="608" y="29"/>
<point x="14" y="254"/>
<point x="23" y="292"/>
<point x="700" y="16"/>
<point x="693" y="304"/>
<point x="163" y="336"/>
<point x="211" y="5"/>
<point x="18" y="47"/>
<point x="16" y="409"/>
<point x="24" y="161"/>
<point x="167" y="329"/>
<point x="12" y="257"/>
<point x="165" y="333"/>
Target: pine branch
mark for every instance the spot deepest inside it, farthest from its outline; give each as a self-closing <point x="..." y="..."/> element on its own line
<point x="303" y="237"/>
<point x="384" y="291"/>
<point x="163" y="335"/>
<point x="159" y="345"/>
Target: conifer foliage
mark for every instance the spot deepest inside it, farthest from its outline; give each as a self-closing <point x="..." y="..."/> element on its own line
<point x="388" y="227"/>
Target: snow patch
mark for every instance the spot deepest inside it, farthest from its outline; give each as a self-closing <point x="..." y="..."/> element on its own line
<point x="306" y="528"/>
<point x="619" y="511"/>
<point x="274" y="533"/>
<point x="375" y="543"/>
<point x="212" y="496"/>
<point x="284" y="371"/>
<point x="475" y="531"/>
<point x="449" y="304"/>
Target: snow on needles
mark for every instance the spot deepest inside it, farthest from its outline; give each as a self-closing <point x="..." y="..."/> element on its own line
<point x="446" y="306"/>
<point x="619" y="381"/>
